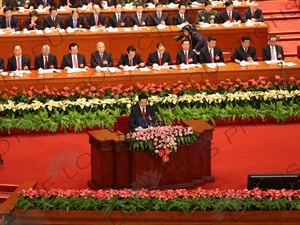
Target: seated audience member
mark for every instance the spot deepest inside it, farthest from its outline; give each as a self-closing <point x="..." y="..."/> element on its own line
<point x="139" y="18"/>
<point x="87" y="3"/>
<point x="253" y="13"/>
<point x="160" y="56"/>
<point x="244" y="52"/>
<point x="101" y="57"/>
<point x="75" y="20"/>
<point x="141" y="115"/>
<point x="53" y="20"/>
<point x="207" y="15"/>
<point x="108" y="3"/>
<point x="272" y="51"/>
<point x="229" y="14"/>
<point x="33" y="23"/>
<point x="186" y="56"/>
<point x="159" y="17"/>
<point x="131" y="58"/>
<point x="197" y="40"/>
<point x="211" y="53"/>
<point x="118" y="19"/>
<point x="18" y="61"/>
<point x="73" y="59"/>
<point x="45" y="60"/>
<point x="67" y="3"/>
<point x="181" y="16"/>
<point x="96" y="19"/>
<point x="1" y="64"/>
<point x="27" y="4"/>
<point x="43" y="3"/>
<point x="8" y="21"/>
<point x="6" y="3"/>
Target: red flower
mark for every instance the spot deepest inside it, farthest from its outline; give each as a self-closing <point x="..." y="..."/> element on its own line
<point x="161" y="153"/>
<point x="167" y="151"/>
<point x="165" y="158"/>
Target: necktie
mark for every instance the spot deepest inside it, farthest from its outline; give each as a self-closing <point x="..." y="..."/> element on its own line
<point x="130" y="62"/>
<point x="158" y="15"/>
<point x="118" y="20"/>
<point x="160" y="59"/>
<point x="101" y="56"/>
<point x="182" y="18"/>
<point x="140" y="19"/>
<point x="8" y="23"/>
<point x="186" y="57"/>
<point x="46" y="63"/>
<point x="273" y="56"/>
<point x="53" y="21"/>
<point x="45" y="3"/>
<point x="211" y="56"/>
<point x="96" y="20"/>
<point x="230" y="16"/>
<point x="74" y="23"/>
<point x="144" y="113"/>
<point x="75" y="62"/>
<point x="253" y="15"/>
<point x="246" y="52"/>
<point x="19" y="64"/>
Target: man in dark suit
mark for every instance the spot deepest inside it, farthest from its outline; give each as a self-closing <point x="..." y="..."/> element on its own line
<point x="96" y="19"/>
<point x="181" y="16"/>
<point x="139" y="18"/>
<point x="118" y="19"/>
<point x="131" y="58"/>
<point x="160" y="56"/>
<point x="101" y="57"/>
<point x="18" y="61"/>
<point x="229" y="14"/>
<point x="73" y="59"/>
<point x="9" y="22"/>
<point x="272" y="51"/>
<point x="6" y="3"/>
<point x="43" y="3"/>
<point x="1" y="64"/>
<point x="253" y="13"/>
<point x="197" y="40"/>
<point x="159" y="17"/>
<point x="186" y="56"/>
<point x="67" y="3"/>
<point x="46" y="60"/>
<point x="53" y="21"/>
<point x="244" y="52"/>
<point x="75" y="20"/>
<point x="211" y="53"/>
<point x="142" y="115"/>
<point x="87" y="2"/>
<point x="109" y="3"/>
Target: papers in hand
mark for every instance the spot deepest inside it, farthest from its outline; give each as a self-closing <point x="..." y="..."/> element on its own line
<point x="110" y="69"/>
<point x="288" y="64"/>
<point x="172" y="6"/>
<point x="145" y="69"/>
<point x="112" y="29"/>
<point x="161" y="26"/>
<point x="157" y="67"/>
<point x="214" y="65"/>
<point x="244" y="63"/>
<point x="19" y="73"/>
<point x="61" y="9"/>
<point x="126" y="29"/>
<point x="43" y="71"/>
<point x="129" y="68"/>
<point x="187" y="66"/>
<point x="75" y="70"/>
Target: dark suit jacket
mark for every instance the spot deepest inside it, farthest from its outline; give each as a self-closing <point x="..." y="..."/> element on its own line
<point x="205" y="57"/>
<point x="135" y="21"/>
<point x="198" y="41"/>
<point x="223" y="17"/>
<point x="12" y="63"/>
<point x="153" y="58"/>
<point x="38" y="26"/>
<point x="48" y="21"/>
<point x="14" y="23"/>
<point x="41" y="2"/>
<point x="136" y="118"/>
<point x="90" y="20"/>
<point x="6" y="3"/>
<point x="239" y="54"/>
<point x="266" y="52"/>
<point x="180" y="58"/>
<point x="69" y="22"/>
<point x="67" y="61"/>
<point x="178" y="20"/>
<point x="112" y="20"/>
<point x="154" y="21"/>
<point x="86" y="2"/>
<point x="257" y="15"/>
<point x="96" y="60"/>
<point x="109" y="3"/>
<point x="64" y="2"/>
<point x="39" y="61"/>
<point x="124" y="60"/>
<point x="2" y="67"/>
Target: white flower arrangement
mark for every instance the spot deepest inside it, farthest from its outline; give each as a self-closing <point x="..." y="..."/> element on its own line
<point x="170" y="99"/>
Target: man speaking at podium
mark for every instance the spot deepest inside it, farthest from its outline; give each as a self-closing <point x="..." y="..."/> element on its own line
<point x="141" y="115"/>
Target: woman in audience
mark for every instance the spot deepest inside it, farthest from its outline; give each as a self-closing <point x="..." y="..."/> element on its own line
<point x="33" y="23"/>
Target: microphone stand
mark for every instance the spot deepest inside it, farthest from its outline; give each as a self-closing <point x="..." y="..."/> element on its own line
<point x="283" y="76"/>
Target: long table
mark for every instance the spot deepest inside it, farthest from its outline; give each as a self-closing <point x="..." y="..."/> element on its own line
<point x="144" y="40"/>
<point x="99" y="79"/>
<point x="171" y="11"/>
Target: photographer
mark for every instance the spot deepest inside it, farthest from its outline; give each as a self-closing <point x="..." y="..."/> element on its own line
<point x="197" y="40"/>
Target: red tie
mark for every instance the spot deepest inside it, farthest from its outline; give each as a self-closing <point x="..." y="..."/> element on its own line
<point x="211" y="56"/>
<point x="253" y="15"/>
<point x="186" y="57"/>
<point x="246" y="52"/>
<point x="182" y="18"/>
<point x="75" y="62"/>
<point x="19" y="64"/>
<point x="101" y="56"/>
<point x="46" y="63"/>
<point x="140" y="19"/>
<point x="144" y="113"/>
<point x="130" y="62"/>
<point x="160" y="59"/>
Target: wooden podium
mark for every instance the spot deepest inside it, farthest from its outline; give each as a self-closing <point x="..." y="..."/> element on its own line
<point x="114" y="166"/>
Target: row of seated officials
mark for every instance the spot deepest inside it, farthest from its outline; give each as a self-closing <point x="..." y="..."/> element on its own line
<point x="119" y="18"/>
<point x="210" y="53"/>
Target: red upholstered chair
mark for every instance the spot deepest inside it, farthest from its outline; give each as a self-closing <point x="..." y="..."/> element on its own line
<point x="298" y="51"/>
<point x="122" y="124"/>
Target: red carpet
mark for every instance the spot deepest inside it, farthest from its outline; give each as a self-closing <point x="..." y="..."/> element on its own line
<point x="62" y="160"/>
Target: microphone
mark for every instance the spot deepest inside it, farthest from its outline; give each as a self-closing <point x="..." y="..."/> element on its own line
<point x="283" y="76"/>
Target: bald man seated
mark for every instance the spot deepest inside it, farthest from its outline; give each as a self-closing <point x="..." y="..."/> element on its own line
<point x="101" y="57"/>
